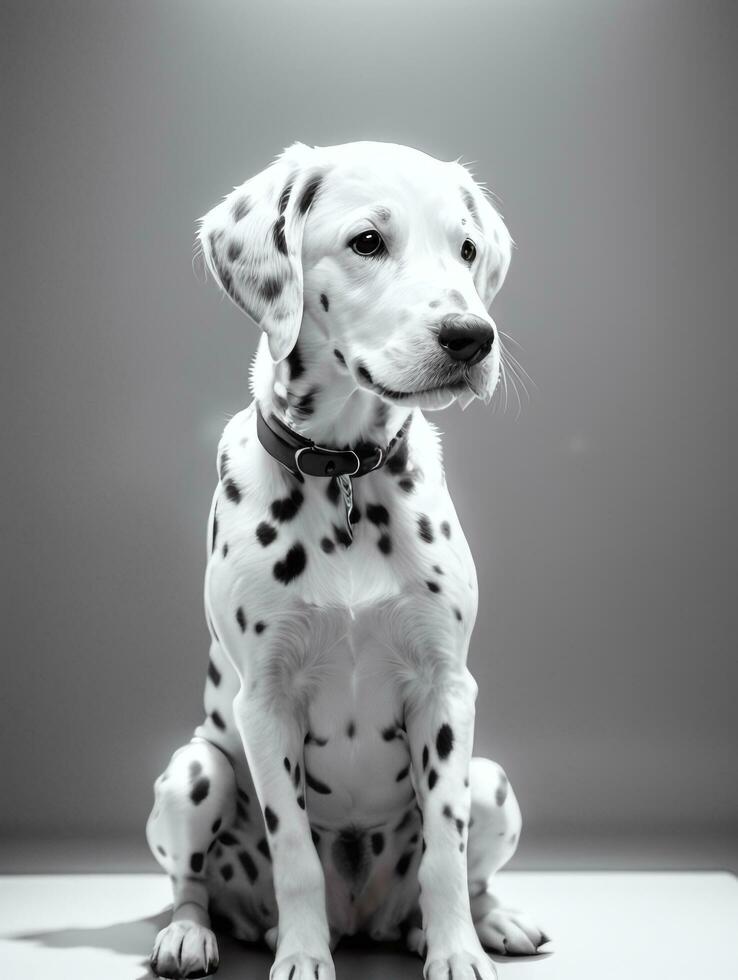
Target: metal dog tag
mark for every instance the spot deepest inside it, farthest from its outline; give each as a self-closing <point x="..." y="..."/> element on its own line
<point x="347" y="492"/>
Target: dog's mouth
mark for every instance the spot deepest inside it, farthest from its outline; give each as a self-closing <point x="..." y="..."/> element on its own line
<point x="440" y="395"/>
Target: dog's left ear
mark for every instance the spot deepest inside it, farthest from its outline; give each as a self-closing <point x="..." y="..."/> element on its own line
<point x="494" y="259"/>
<point x="252" y="243"/>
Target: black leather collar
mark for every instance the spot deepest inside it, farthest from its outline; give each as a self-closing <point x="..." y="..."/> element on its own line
<point x="302" y="456"/>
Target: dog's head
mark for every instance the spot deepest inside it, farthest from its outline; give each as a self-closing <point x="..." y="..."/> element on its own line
<point x="395" y="255"/>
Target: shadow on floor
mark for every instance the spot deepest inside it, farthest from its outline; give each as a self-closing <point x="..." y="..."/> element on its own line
<point x="355" y="958"/>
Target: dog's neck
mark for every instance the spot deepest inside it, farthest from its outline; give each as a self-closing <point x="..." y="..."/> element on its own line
<point x="313" y="393"/>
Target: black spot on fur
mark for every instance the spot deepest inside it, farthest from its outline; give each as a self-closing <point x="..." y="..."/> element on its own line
<point x="232" y="491"/>
<point x="433" y="586"/>
<point x="402" y="774"/>
<point x="287" y="764"/>
<point x="339" y="357"/>
<point x="216" y="826"/>
<point x="342" y="536"/>
<point x="225" y="549"/>
<point x="355" y="515"/>
<point x="265" y="534"/>
<point x="445" y="529"/>
<point x="377" y="514"/>
<point x="438" y="570"/>
<point x="385" y="544"/>
<point x="316" y="785"/>
<point x="457" y="613"/>
<point x="297" y="775"/>
<point x="390" y="733"/>
<point x="247" y="863"/>
<point x="241" y="209"/>
<point x="377" y="843"/>
<point x="444" y="741"/>
<point x="284" y="197"/>
<point x="292" y="565"/>
<point x="364" y="374"/>
<point x="501" y="791"/>
<point x="271" y="288"/>
<point x="432" y="778"/>
<point x="327" y="545"/>
<point x="333" y="491"/>
<point x="259" y="627"/>
<point x="397" y="463"/>
<point x="227" y="839"/>
<point x="324" y="301"/>
<point x="425" y="529"/>
<point x="196" y="861"/>
<point x="227" y="872"/>
<point x="244" y="796"/>
<point x="308" y="195"/>
<point x="200" y="790"/>
<point x="403" y="864"/>
<point x="215" y="531"/>
<point x="301" y="801"/>
<point x="285" y="509"/>
<point x="218" y="720"/>
<point x="161" y="850"/>
<point x="294" y="359"/>
<point x="213" y="673"/>
<point x="272" y="821"/>
<point x="407" y="484"/>
<point x="263" y="848"/>
<point x="351" y="729"/>
<point x="241" y="619"/>
<point x="234" y="251"/>
<point x="425" y="757"/>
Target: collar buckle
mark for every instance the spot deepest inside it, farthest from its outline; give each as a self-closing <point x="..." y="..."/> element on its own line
<point x="318" y="461"/>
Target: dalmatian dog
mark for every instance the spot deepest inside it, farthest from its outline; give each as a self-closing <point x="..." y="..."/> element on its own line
<point x="330" y="788"/>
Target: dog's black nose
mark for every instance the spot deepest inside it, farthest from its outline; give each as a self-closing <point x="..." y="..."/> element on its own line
<point x="466" y="338"/>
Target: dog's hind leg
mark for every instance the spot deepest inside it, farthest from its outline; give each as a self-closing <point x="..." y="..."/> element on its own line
<point x="194" y="797"/>
<point x="494" y="832"/>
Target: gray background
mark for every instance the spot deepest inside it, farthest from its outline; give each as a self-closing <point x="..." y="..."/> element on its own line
<point x="602" y="518"/>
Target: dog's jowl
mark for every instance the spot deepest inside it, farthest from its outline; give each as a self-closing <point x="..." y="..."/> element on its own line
<point x="330" y="788"/>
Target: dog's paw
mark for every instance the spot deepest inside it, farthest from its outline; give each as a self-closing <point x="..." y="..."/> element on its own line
<point x="510" y="932"/>
<point x="184" y="950"/>
<point x="303" y="967"/>
<point x="478" y="966"/>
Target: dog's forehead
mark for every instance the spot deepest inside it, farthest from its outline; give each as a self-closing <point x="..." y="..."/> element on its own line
<point x="370" y="173"/>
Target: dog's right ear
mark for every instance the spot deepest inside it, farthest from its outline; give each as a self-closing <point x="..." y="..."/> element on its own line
<point x="252" y="243"/>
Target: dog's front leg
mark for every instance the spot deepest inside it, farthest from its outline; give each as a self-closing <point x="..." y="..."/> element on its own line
<point x="440" y="728"/>
<point x="273" y="737"/>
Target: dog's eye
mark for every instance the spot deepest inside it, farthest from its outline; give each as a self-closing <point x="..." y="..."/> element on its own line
<point x="368" y="243"/>
<point x="468" y="251"/>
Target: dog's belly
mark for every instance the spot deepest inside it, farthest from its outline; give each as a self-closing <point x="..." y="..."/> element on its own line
<point x="356" y="754"/>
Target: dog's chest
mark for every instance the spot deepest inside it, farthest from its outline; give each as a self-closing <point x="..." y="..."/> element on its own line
<point x="356" y="747"/>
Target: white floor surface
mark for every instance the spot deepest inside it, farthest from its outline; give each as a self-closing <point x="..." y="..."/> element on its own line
<point x="679" y="926"/>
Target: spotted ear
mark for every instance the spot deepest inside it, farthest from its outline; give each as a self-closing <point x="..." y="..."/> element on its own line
<point x="252" y="243"/>
<point x="494" y="261"/>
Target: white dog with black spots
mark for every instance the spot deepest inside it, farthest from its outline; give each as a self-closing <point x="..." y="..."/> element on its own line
<point x="331" y="787"/>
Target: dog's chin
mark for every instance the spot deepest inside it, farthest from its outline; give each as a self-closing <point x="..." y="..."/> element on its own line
<point x="477" y="382"/>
